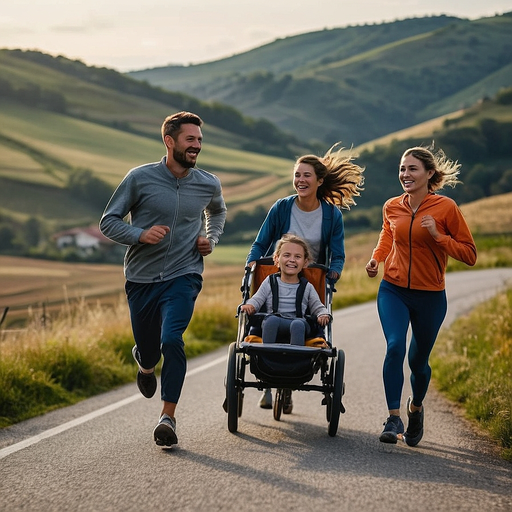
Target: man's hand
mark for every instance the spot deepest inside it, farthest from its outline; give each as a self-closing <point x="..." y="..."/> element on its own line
<point x="154" y="235"/>
<point x="203" y="246"/>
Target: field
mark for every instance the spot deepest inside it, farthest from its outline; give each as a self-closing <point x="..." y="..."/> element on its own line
<point x="490" y="215"/>
<point x="32" y="287"/>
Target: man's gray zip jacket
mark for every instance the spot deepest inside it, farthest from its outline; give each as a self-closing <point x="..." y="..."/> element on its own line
<point x="191" y="206"/>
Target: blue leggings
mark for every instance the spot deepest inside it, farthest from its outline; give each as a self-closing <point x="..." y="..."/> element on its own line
<point x="424" y="311"/>
<point x="160" y="313"/>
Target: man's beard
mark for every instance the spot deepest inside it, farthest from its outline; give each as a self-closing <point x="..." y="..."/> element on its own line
<point x="181" y="158"/>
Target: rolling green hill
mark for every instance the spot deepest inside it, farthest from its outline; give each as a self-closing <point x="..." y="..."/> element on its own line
<point x="59" y="117"/>
<point x="39" y="150"/>
<point x="478" y="137"/>
<point x="290" y="54"/>
<point x="356" y="84"/>
<point x="105" y="96"/>
<point x="69" y="133"/>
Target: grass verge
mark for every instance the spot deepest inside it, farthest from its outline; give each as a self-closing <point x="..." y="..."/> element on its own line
<point x="472" y="366"/>
<point x="85" y="351"/>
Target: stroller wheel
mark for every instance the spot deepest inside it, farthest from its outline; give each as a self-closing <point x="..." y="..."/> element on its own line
<point x="278" y="404"/>
<point x="336" y="406"/>
<point x="233" y="392"/>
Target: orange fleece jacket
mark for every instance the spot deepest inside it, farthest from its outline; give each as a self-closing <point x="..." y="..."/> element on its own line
<point x="411" y="256"/>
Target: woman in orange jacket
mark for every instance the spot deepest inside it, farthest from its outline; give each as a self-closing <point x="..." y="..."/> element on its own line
<point x="420" y="230"/>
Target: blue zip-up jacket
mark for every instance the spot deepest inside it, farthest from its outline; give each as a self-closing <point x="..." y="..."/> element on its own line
<point x="191" y="206"/>
<point x="277" y="223"/>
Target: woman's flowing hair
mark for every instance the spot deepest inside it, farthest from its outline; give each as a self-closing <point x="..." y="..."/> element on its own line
<point x="445" y="170"/>
<point x="342" y="179"/>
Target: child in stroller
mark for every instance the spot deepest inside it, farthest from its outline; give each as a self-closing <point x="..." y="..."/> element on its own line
<point x="287" y="296"/>
<point x="291" y="360"/>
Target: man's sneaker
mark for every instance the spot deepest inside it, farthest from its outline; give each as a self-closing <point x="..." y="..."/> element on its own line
<point x="146" y="382"/>
<point x="414" y="431"/>
<point x="266" y="399"/>
<point x="287" y="402"/>
<point x="165" y="431"/>
<point x="392" y="428"/>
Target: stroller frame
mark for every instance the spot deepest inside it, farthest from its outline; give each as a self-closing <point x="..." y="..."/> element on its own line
<point x="281" y="365"/>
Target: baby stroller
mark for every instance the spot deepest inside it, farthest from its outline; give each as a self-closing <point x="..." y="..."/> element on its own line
<point x="281" y="365"/>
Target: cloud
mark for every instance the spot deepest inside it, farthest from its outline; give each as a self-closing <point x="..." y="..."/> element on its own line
<point x="91" y="25"/>
<point x="10" y="26"/>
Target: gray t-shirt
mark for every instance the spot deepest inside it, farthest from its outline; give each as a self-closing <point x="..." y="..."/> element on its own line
<point x="307" y="225"/>
<point x="287" y="294"/>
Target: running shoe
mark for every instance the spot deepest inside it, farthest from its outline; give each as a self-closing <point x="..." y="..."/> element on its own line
<point x="266" y="399"/>
<point x="414" y="431"/>
<point x="165" y="432"/>
<point x="393" y="427"/>
<point x="146" y="382"/>
<point x="287" y="402"/>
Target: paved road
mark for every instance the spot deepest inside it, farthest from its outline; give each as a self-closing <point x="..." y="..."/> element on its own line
<point x="99" y="454"/>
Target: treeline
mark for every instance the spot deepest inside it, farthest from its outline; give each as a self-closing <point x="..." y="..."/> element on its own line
<point x="20" y="237"/>
<point x="483" y="150"/>
<point x="261" y="135"/>
<point x="32" y="95"/>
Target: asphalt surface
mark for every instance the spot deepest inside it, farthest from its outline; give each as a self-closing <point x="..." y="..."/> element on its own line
<point x="100" y="455"/>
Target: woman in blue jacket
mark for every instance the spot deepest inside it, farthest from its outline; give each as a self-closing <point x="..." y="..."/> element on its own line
<point x="323" y="185"/>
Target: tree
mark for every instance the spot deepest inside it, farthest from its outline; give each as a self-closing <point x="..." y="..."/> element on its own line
<point x="32" y="232"/>
<point x="84" y="185"/>
<point x="7" y="235"/>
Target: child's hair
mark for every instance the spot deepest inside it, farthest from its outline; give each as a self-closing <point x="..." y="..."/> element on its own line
<point x="293" y="239"/>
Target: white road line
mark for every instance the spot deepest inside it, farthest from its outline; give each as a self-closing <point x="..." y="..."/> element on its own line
<point x="4" y="452"/>
<point x="204" y="367"/>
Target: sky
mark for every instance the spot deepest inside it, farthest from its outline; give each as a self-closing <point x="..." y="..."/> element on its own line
<point x="129" y="35"/>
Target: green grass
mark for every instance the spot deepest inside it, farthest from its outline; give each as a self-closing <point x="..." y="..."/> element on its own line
<point x="86" y="351"/>
<point x="230" y="255"/>
<point x="60" y="370"/>
<point x="472" y="366"/>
